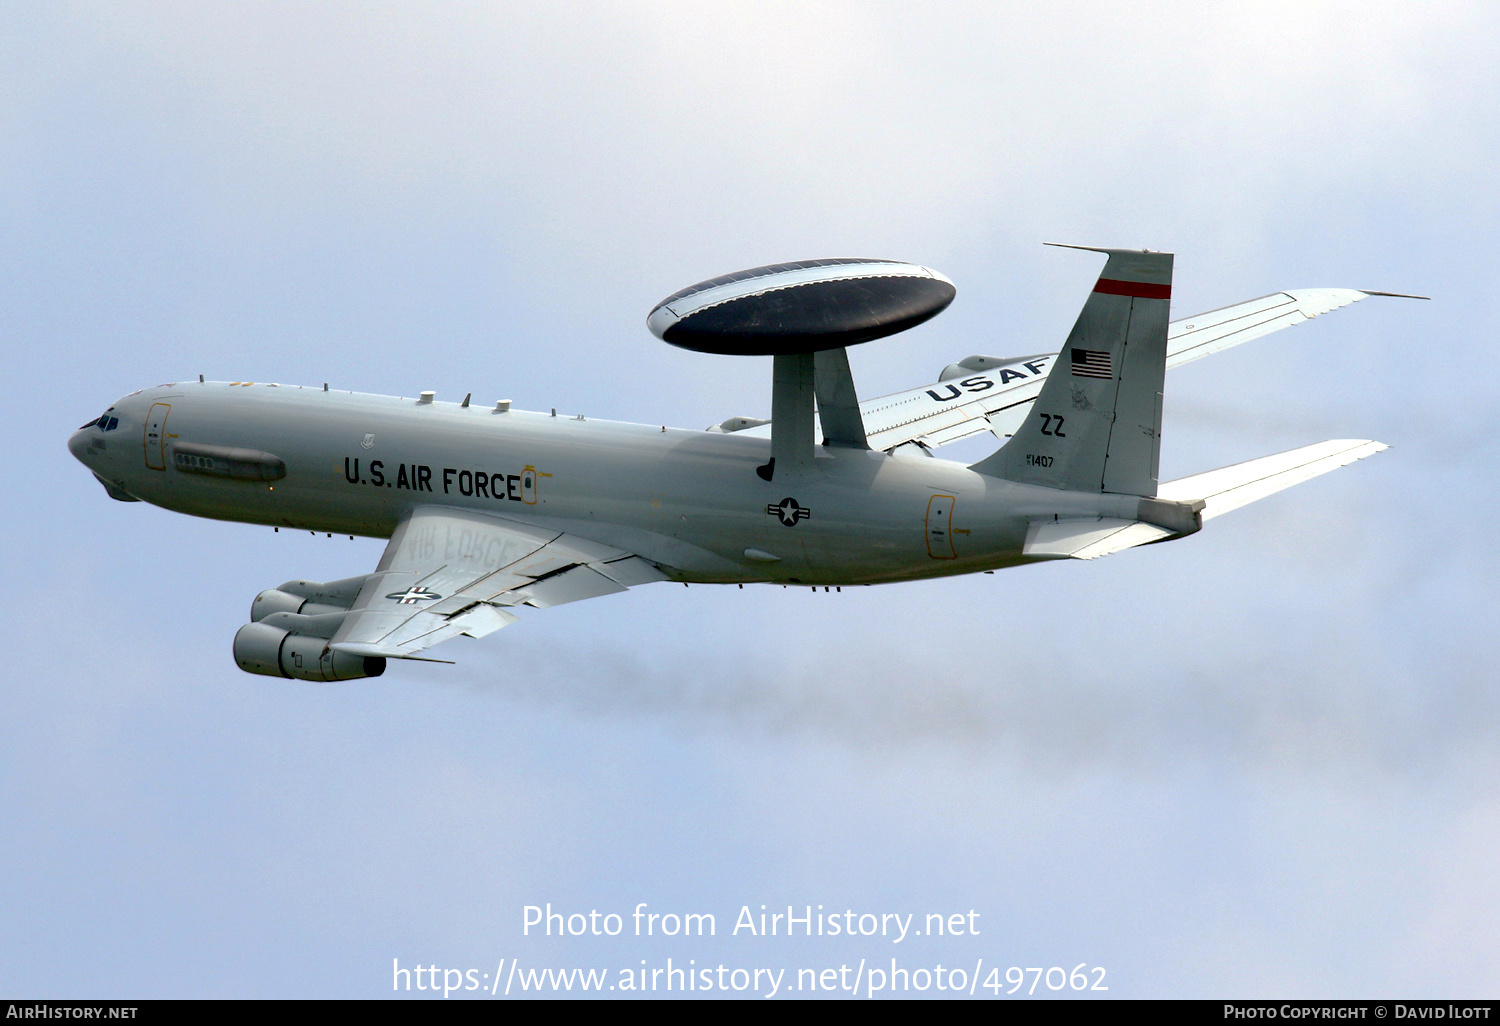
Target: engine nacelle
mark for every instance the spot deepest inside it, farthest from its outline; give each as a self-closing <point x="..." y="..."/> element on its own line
<point x="261" y="648"/>
<point x="274" y="600"/>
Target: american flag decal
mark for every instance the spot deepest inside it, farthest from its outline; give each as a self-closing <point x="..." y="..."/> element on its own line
<point x="1091" y="363"/>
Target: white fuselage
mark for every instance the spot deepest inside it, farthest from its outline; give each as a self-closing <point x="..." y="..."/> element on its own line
<point x="690" y="501"/>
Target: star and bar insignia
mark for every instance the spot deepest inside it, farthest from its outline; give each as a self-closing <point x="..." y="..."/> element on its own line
<point x="789" y="511"/>
<point x="411" y="596"/>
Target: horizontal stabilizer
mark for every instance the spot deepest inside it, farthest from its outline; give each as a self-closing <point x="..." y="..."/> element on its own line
<point x="1232" y="487"/>
<point x="1088" y="537"/>
<point x="1210" y="494"/>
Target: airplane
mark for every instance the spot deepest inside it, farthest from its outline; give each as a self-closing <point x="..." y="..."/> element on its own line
<point x="488" y="509"/>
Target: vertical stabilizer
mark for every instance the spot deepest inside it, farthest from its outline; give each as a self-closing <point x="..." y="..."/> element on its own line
<point x="1096" y="426"/>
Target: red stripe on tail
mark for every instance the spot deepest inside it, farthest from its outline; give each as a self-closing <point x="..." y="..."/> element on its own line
<point x="1138" y="289"/>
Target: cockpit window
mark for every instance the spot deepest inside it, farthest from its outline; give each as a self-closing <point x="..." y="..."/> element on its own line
<point x="104" y="422"/>
<point x="91" y="423"/>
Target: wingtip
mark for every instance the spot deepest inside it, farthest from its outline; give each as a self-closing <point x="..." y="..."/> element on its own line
<point x="1089" y="249"/>
<point x="1108" y="251"/>
<point x="1393" y="295"/>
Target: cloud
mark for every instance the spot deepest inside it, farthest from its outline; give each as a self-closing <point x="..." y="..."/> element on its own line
<point x="785" y="123"/>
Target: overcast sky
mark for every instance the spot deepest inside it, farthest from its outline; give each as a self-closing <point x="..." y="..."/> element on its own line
<point x="1259" y="761"/>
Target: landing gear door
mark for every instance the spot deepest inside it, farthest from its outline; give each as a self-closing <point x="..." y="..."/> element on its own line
<point x="156" y="436"/>
<point x="940" y="527"/>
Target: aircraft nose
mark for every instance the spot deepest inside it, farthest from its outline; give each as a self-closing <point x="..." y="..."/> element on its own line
<point x="78" y="445"/>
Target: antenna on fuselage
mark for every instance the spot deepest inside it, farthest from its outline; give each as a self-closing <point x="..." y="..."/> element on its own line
<point x="804" y="314"/>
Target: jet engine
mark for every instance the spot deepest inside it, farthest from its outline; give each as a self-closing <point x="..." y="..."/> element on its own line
<point x="274" y="600"/>
<point x="289" y="633"/>
<point x="262" y="648"/>
<point x="307" y="598"/>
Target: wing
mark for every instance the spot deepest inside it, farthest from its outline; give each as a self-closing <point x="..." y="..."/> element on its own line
<point x="447" y="572"/>
<point x="997" y="399"/>
<point x="1217" y="330"/>
<point x="949" y="410"/>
